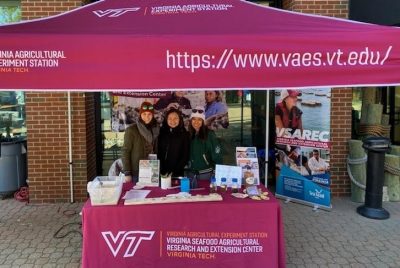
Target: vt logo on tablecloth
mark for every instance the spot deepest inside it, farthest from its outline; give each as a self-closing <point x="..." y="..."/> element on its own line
<point x="134" y="238"/>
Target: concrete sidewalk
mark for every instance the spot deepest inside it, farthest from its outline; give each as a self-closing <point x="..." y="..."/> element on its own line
<point x="340" y="238"/>
<point x="27" y="235"/>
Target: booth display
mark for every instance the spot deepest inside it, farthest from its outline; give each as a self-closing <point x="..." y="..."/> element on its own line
<point x="195" y="44"/>
<point x="184" y="44"/>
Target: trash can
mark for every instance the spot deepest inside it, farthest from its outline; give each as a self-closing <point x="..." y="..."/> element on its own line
<point x="12" y="166"/>
<point x="372" y="208"/>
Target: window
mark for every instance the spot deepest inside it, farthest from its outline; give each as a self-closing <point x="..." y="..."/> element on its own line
<point x="246" y="110"/>
<point x="12" y="103"/>
<point x="10" y="11"/>
<point x="12" y="115"/>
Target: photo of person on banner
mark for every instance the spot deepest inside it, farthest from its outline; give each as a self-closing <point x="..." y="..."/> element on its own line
<point x="216" y="111"/>
<point x="316" y="164"/>
<point x="289" y="117"/>
<point x="176" y="100"/>
<point x="125" y="107"/>
<point x="287" y="114"/>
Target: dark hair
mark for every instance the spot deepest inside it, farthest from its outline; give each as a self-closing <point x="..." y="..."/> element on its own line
<point x="218" y="97"/>
<point x="203" y="131"/>
<point x="165" y="126"/>
<point x="315" y="151"/>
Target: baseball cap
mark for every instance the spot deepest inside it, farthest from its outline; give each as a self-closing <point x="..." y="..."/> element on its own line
<point x="289" y="93"/>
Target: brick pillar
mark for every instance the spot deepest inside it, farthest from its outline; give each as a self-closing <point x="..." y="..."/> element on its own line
<point x="48" y="155"/>
<point x="341" y="107"/>
<point x="341" y="97"/>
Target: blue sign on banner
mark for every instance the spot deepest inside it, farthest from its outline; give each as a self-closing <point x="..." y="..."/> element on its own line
<point x="292" y="185"/>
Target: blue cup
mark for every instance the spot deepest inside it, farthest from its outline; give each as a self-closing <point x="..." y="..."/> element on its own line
<point x="185" y="185"/>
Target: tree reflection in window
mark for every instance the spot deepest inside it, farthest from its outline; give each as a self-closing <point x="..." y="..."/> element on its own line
<point x="10" y="11"/>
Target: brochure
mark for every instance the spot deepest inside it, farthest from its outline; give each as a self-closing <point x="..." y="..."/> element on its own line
<point x="246" y="158"/>
<point x="149" y="172"/>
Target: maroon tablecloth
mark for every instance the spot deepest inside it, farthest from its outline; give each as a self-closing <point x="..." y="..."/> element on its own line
<point x="229" y="233"/>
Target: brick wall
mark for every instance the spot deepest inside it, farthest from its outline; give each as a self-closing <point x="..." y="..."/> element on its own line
<point x="332" y="8"/>
<point x="341" y="97"/>
<point x="32" y="9"/>
<point x="48" y="155"/>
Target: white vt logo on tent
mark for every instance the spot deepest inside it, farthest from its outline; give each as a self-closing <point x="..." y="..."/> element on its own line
<point x="132" y="238"/>
<point x="112" y="13"/>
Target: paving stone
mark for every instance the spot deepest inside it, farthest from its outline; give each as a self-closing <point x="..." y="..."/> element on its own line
<point x="296" y="261"/>
<point x="72" y="265"/>
<point x="334" y="266"/>
<point x="56" y="255"/>
<point x="379" y="265"/>
<point x="340" y="260"/>
<point x="19" y="262"/>
<point x="26" y="265"/>
<point x="49" y="265"/>
<point x="63" y="260"/>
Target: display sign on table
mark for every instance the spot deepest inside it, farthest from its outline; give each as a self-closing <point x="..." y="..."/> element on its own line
<point x="149" y="172"/>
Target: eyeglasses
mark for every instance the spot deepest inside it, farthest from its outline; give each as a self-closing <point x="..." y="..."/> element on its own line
<point x="147" y="107"/>
<point x="197" y="111"/>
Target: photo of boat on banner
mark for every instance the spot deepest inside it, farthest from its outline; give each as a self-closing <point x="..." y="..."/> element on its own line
<point x="302" y="120"/>
<point x="126" y="105"/>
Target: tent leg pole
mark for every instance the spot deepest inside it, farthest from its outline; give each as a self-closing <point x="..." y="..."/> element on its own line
<point x="266" y="137"/>
<point x="70" y="147"/>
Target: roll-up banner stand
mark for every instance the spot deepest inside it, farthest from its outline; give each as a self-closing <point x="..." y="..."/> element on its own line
<point x="302" y="150"/>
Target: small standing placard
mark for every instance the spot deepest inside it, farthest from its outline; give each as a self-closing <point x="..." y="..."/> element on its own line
<point x="228" y="172"/>
<point x="246" y="158"/>
<point x="149" y="172"/>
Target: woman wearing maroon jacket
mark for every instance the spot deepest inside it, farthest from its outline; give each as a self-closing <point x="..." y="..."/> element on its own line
<point x="287" y="114"/>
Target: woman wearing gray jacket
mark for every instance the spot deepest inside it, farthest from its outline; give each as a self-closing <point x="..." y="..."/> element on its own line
<point x="140" y="140"/>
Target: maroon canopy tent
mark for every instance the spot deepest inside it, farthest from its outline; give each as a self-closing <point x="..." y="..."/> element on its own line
<point x="136" y="44"/>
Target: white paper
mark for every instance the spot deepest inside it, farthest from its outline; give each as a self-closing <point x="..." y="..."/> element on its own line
<point x="136" y="194"/>
<point x="228" y="172"/>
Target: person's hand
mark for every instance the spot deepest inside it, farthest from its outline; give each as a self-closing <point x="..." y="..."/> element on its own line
<point x="174" y="105"/>
<point x="128" y="178"/>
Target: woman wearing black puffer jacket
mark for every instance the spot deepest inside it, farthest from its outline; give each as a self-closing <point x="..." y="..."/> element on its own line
<point x="173" y="144"/>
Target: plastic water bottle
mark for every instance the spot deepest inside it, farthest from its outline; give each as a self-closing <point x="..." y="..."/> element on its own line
<point x="235" y="185"/>
<point x="224" y="186"/>
<point x="213" y="185"/>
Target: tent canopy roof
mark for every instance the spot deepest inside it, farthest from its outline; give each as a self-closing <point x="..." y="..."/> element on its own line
<point x="121" y="44"/>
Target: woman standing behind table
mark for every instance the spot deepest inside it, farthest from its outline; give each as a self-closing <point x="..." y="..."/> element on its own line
<point x="140" y="140"/>
<point x="205" y="150"/>
<point x="173" y="144"/>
